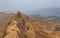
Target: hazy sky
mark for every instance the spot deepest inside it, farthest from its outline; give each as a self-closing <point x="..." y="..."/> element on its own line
<point x="27" y="5"/>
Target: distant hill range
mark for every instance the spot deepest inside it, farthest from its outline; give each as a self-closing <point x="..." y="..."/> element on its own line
<point x="48" y="14"/>
<point x="48" y="11"/>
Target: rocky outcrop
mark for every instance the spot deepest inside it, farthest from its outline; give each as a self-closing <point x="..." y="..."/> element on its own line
<point x="16" y="28"/>
<point x="12" y="30"/>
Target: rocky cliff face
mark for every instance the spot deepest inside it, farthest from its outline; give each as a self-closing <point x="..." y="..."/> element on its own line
<point x="22" y="26"/>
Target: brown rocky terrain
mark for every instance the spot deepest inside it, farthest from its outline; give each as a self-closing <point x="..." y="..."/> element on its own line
<point x="4" y="19"/>
<point x="22" y="26"/>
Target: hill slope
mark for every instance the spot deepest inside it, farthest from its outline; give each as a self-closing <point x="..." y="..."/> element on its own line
<point x="22" y="26"/>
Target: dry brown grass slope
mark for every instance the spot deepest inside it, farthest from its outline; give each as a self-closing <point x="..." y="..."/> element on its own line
<point x="4" y="19"/>
<point x="22" y="26"/>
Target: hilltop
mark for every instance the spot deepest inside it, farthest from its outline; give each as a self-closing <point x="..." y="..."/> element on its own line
<point x="22" y="26"/>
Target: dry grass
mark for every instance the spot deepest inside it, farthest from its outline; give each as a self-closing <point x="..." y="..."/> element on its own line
<point x="26" y="27"/>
